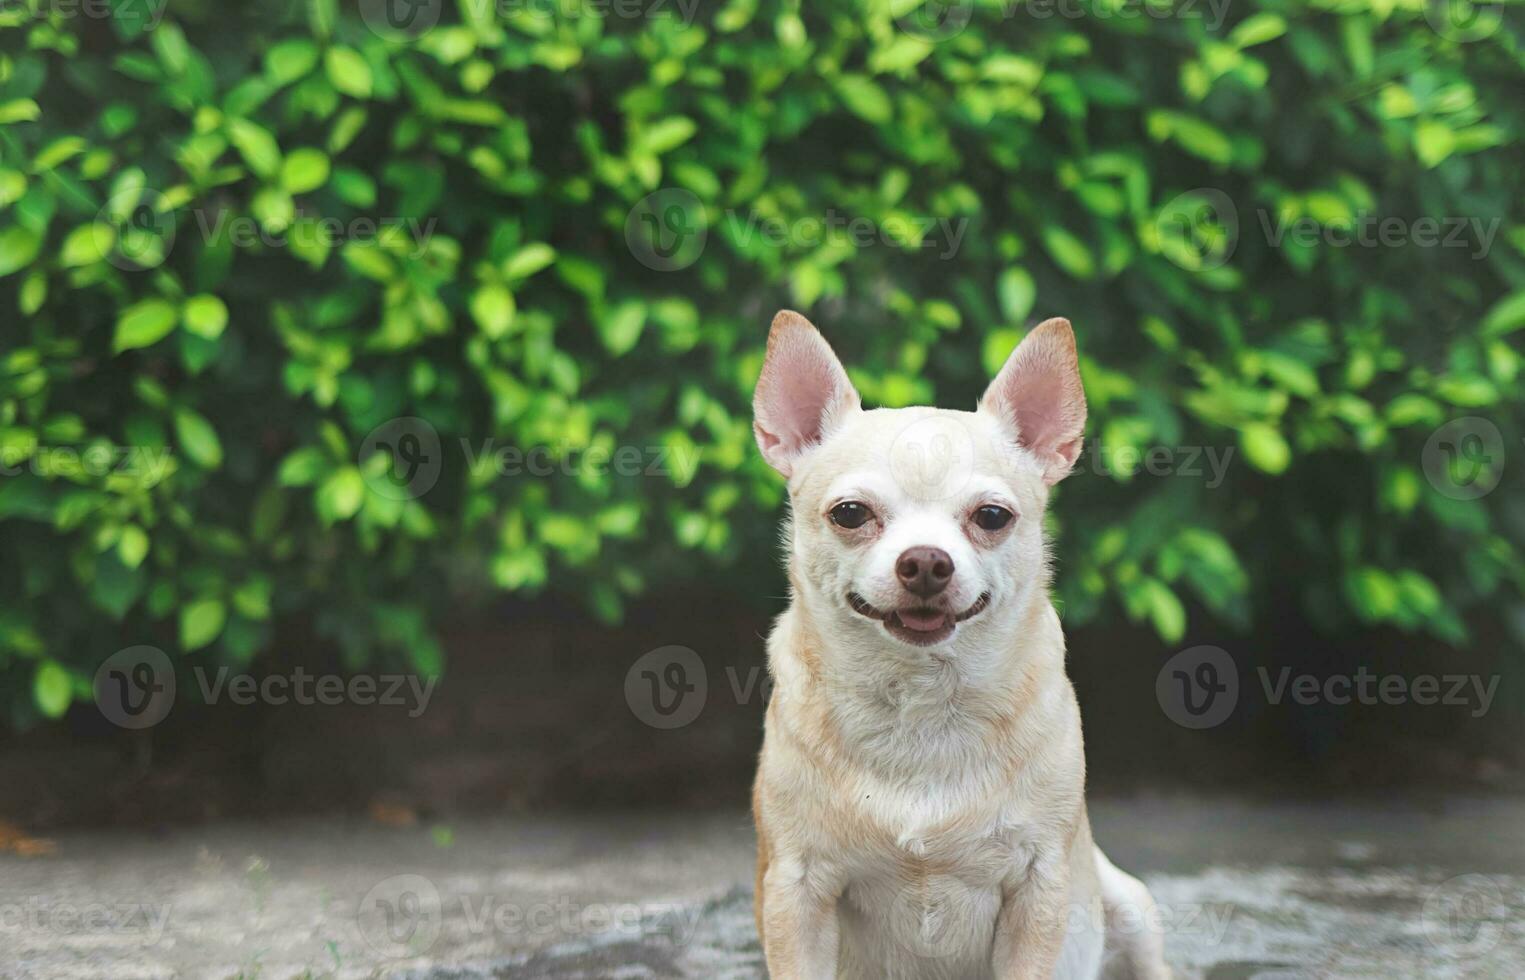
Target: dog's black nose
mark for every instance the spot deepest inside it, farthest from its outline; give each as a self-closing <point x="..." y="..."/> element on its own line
<point x="924" y="571"/>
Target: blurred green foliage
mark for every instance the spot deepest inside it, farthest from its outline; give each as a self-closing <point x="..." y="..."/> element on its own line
<point x="191" y="291"/>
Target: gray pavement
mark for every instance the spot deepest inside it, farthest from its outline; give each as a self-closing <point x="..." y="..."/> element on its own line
<point x="1283" y="891"/>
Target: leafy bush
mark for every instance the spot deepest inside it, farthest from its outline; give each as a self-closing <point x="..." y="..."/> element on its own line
<point x="237" y="239"/>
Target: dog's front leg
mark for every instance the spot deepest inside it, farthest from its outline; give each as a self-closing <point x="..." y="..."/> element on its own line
<point x="1032" y="925"/>
<point x="799" y="921"/>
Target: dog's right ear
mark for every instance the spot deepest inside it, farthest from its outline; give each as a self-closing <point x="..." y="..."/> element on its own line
<point x="802" y="394"/>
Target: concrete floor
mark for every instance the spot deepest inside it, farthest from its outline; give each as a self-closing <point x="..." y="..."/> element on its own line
<point x="1283" y="891"/>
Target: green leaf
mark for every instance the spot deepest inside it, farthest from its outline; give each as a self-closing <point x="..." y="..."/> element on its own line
<point x="997" y="347"/>
<point x="1068" y="252"/>
<point x="492" y="306"/>
<point x="340" y="496"/>
<point x="290" y="60"/>
<point x="143" y="324"/>
<point x="252" y="599"/>
<point x="621" y="327"/>
<point x="12" y="187"/>
<point x="305" y="169"/>
<point x="667" y="134"/>
<point x="201" y="622"/>
<point x="274" y="209"/>
<point x="1257" y="29"/>
<point x="1433" y="142"/>
<point x="529" y="260"/>
<point x="19" y="111"/>
<point x="132" y="546"/>
<point x="198" y="439"/>
<point x="865" y="98"/>
<point x="302" y="468"/>
<point x="1507" y="316"/>
<point x="170" y="45"/>
<point x="1372" y="593"/>
<point x="87" y="245"/>
<point x="34" y="292"/>
<point x="1195" y="136"/>
<point x="255" y="144"/>
<point x="52" y="689"/>
<point x="1018" y="292"/>
<point x="205" y="316"/>
<point x="1264" y="447"/>
<point x="1166" y="613"/>
<point x="348" y="72"/>
<point x="18" y="247"/>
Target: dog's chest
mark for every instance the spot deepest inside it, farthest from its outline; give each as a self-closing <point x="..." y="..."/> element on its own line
<point x="936" y="799"/>
<point x="917" y="834"/>
<point x="931" y="888"/>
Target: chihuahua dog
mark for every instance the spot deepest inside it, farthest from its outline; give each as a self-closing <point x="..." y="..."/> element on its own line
<point x="920" y="798"/>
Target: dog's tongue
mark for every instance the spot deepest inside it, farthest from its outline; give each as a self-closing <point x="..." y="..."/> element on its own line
<point x="921" y="620"/>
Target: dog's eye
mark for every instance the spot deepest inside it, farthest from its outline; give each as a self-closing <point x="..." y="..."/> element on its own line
<point x="850" y="514"/>
<point x="992" y="518"/>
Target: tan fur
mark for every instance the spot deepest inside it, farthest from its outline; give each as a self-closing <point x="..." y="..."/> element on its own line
<point x="762" y="858"/>
<point x="920" y="809"/>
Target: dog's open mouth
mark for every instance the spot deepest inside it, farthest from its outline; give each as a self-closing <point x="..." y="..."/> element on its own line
<point x="921" y="625"/>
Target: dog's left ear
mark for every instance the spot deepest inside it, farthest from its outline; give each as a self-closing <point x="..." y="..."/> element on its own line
<point x="802" y="394"/>
<point x="1038" y="396"/>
